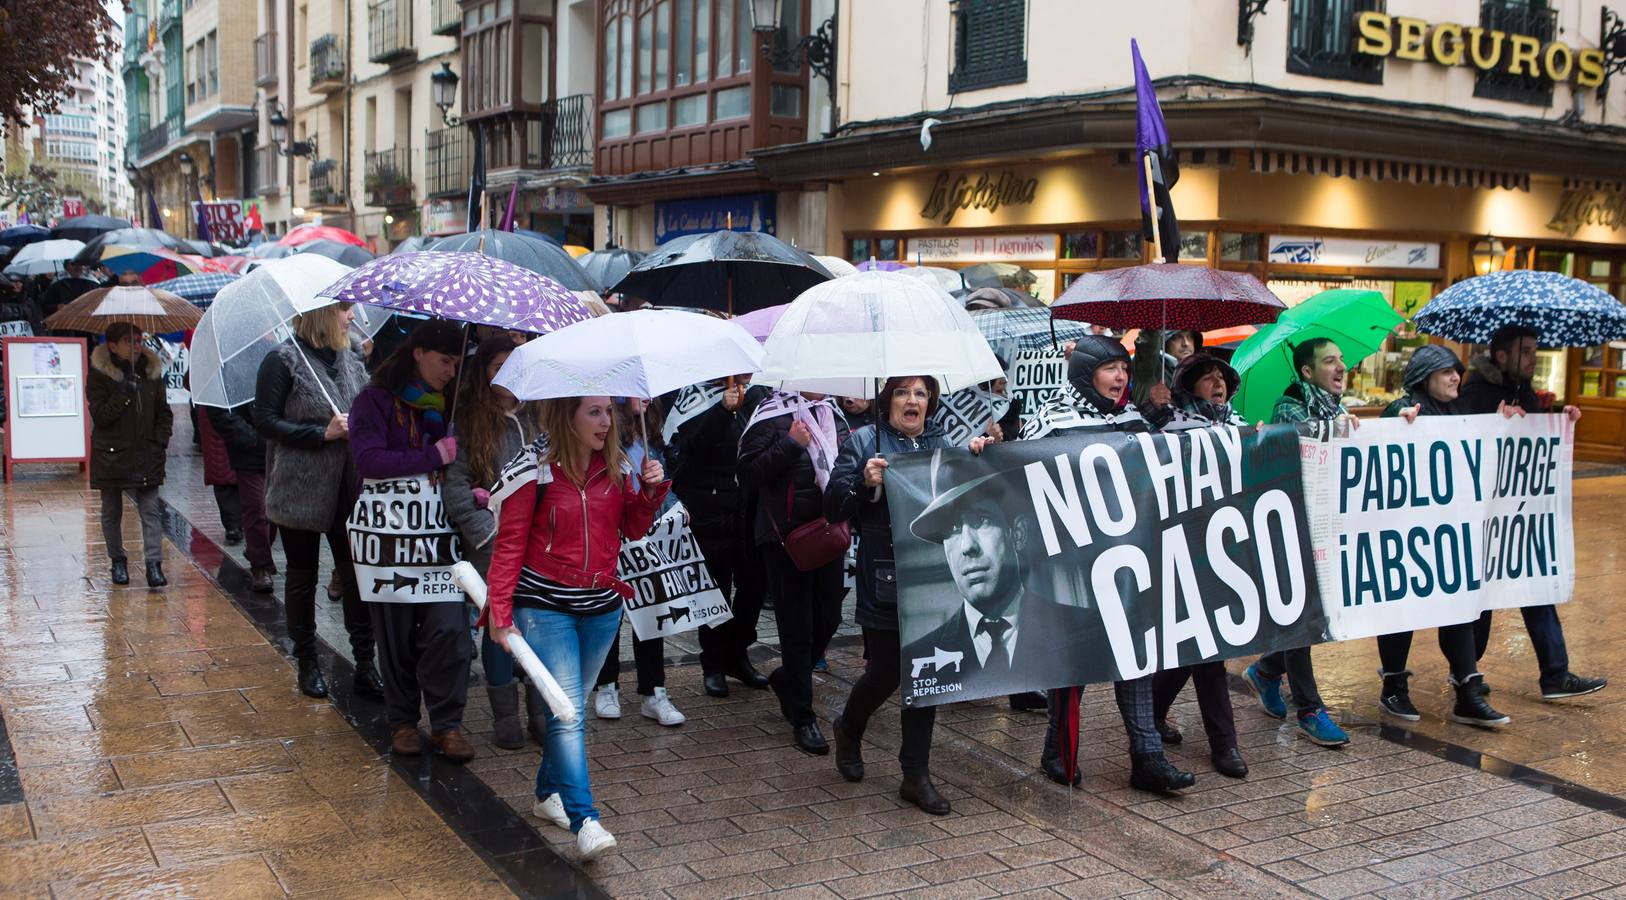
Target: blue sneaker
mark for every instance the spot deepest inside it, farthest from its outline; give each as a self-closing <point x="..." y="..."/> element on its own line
<point x="823" y="665"/>
<point x="1321" y="729"/>
<point x="1269" y="691"/>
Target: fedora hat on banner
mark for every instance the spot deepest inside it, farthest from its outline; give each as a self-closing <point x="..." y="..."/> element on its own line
<point x="954" y="479"/>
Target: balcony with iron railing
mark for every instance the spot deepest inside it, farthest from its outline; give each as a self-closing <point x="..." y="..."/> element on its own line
<point x="155" y="139"/>
<point x="445" y="17"/>
<point x="389" y="31"/>
<point x="265" y="59"/>
<point x="388" y="176"/>
<point x="327" y="64"/>
<point x="1528" y="17"/>
<point x="326" y="184"/>
<point x="445" y="162"/>
<point x="268" y="170"/>
<point x="569" y="124"/>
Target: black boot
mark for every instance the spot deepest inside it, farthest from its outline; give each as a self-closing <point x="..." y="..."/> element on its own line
<point x="1027" y="701"/>
<point x="1229" y="762"/>
<point x="311" y="682"/>
<point x="809" y="739"/>
<point x="747" y="674"/>
<point x="536" y="714"/>
<point x="507" y="732"/>
<point x="918" y="789"/>
<point x="849" y="749"/>
<point x="1050" y="761"/>
<point x="716" y="685"/>
<point x="121" y="571"/>
<point x="367" y="683"/>
<point x="1154" y="772"/>
<point x="1170" y="733"/>
<point x="1395" y="700"/>
<point x="155" y="574"/>
<point x="1472" y="708"/>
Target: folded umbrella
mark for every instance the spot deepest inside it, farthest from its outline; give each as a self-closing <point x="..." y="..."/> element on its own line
<point x="847" y="336"/>
<point x="728" y="271"/>
<point x="545" y="258"/>
<point x="1357" y="321"/>
<point x="1562" y="311"/>
<point x="1168" y="295"/>
<point x="153" y="311"/>
<point x="463" y="287"/>
<point x="84" y="228"/>
<point x="43" y="257"/>
<point x="248" y="319"/>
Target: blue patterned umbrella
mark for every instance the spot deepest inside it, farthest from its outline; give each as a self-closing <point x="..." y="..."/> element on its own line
<point x="463" y="287"/>
<point x="1027" y="328"/>
<point x="200" y="289"/>
<point x="1563" y="311"/>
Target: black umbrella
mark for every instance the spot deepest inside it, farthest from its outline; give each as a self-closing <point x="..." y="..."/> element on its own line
<point x="994" y="275"/>
<point x="609" y="266"/>
<point x="270" y="250"/>
<point x="85" y="228"/>
<point x="542" y="257"/>
<point x="729" y="271"/>
<point x="135" y="238"/>
<point x="338" y="251"/>
<point x="413" y="244"/>
<point x="19" y="235"/>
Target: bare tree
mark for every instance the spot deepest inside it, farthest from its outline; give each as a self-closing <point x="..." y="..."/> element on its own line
<point x="39" y="43"/>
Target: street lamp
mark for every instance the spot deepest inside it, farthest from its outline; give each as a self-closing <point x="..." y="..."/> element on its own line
<point x="818" y="49"/>
<point x="1488" y="254"/>
<point x="444" y="83"/>
<point x="279" y="135"/>
<point x="188" y="167"/>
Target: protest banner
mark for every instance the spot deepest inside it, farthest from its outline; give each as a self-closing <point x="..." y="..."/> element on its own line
<point x="1429" y="523"/>
<point x="177" y="360"/>
<point x="967" y="413"/>
<point x="1098" y="557"/>
<point x="224" y="219"/>
<point x="402" y="542"/>
<point x="673" y="591"/>
<point x="691" y="402"/>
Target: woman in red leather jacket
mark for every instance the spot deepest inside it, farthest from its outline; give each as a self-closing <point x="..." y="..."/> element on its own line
<point x="552" y="578"/>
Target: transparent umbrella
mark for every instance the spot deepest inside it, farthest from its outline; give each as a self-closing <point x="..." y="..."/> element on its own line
<point x="248" y="319"/>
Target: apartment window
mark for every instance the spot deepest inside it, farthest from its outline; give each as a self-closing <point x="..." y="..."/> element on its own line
<point x="1321" y="41"/>
<point x="211" y="60"/>
<point x="989" y="41"/>
<point x="1528" y="17"/>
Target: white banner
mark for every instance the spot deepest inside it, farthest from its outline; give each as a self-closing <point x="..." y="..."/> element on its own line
<point x="1427" y="524"/>
<point x="673" y="590"/>
<point x="402" y="542"/>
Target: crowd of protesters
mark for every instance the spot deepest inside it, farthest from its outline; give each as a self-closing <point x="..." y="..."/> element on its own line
<point x="754" y="467"/>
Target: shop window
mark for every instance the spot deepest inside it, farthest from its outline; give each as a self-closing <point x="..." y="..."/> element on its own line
<point x="1121" y="244"/>
<point x="887" y="248"/>
<point x="1532" y="17"/>
<point x="1241" y="246"/>
<point x="989" y="40"/>
<point x="1194" y="246"/>
<point x="1081" y="245"/>
<point x="1321" y="40"/>
<point x="858" y="250"/>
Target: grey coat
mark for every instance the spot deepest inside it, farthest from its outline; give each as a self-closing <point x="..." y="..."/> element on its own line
<point x="476" y="524"/>
<point x="306" y="480"/>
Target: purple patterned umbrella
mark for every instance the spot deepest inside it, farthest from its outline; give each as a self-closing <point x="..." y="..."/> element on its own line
<point x="464" y="287"/>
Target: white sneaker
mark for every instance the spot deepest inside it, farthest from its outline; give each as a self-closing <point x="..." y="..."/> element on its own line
<point x="607" y="702"/>
<point x="659" y="707"/>
<point x="551" y="810"/>
<point x="593" y="841"/>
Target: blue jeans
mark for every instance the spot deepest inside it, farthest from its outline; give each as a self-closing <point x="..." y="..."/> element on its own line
<point x="497" y="661"/>
<point x="573" y="649"/>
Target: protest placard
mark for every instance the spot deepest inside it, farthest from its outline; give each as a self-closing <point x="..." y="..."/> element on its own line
<point x="402" y="542"/>
<point x="673" y="591"/>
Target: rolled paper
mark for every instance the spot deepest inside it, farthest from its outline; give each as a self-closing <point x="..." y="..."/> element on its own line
<point x="472" y="584"/>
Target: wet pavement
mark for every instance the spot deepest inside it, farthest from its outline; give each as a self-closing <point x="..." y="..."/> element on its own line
<point x="162" y="750"/>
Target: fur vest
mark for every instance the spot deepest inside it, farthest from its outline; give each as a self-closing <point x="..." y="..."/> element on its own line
<point x="304" y="488"/>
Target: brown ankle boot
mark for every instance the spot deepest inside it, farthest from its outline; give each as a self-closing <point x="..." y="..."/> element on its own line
<point x="453" y="745"/>
<point x="406" y="741"/>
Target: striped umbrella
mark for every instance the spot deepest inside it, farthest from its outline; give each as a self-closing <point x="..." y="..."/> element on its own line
<point x="198" y="289"/>
<point x="155" y="312"/>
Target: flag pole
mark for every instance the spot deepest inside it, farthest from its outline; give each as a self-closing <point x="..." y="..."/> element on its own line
<point x="1157" y="254"/>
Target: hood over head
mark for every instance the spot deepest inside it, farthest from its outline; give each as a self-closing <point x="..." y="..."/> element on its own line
<point x="1092" y="352"/>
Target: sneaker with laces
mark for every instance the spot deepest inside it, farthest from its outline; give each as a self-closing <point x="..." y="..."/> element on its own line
<point x="658" y="706"/>
<point x="607" y="702"/>
<point x="552" y="810"/>
<point x="1268" y="690"/>
<point x="1321" y="729"/>
<point x="1573" y="686"/>
<point x="592" y="841"/>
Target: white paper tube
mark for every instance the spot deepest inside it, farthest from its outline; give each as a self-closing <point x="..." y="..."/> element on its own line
<point x="472" y="584"/>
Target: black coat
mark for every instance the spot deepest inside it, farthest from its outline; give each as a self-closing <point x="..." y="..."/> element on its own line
<point x="703" y="456"/>
<point x="1042" y="657"/>
<point x="244" y="446"/>
<point x="1487" y="387"/>
<point x="130" y="421"/>
<point x="846" y="499"/>
<point x="778" y="470"/>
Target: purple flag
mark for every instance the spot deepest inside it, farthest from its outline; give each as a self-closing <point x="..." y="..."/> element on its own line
<point x="156" y="220"/>
<point x="508" y="217"/>
<point x="1152" y="139"/>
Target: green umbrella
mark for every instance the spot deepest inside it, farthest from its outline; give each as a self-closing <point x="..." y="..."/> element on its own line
<point x="1357" y="321"/>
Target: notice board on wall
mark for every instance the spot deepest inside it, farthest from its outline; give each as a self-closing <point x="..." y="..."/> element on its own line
<point x="46" y="416"/>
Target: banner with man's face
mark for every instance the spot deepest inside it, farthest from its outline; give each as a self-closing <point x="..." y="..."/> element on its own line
<point x="1098" y="557"/>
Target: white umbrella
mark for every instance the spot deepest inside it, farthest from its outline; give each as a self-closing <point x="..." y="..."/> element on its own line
<point x="43" y="257"/>
<point x="248" y="319"/>
<point x="837" y="266"/>
<point x="639" y="354"/>
<point x="947" y="279"/>
<point x="845" y="337"/>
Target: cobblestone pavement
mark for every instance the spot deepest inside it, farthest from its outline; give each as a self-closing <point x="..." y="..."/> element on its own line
<point x="724" y="805"/>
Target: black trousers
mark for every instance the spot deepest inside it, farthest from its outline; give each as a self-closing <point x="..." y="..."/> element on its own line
<point x="882" y="675"/>
<point x="649" y="657"/>
<point x="230" y="506"/>
<point x="304" y="552"/>
<point x="1456" y="642"/>
<point x="1213" y="700"/>
<point x="807" y="608"/>
<point x="424" y="651"/>
<point x="737" y="568"/>
<point x="1300" y="672"/>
